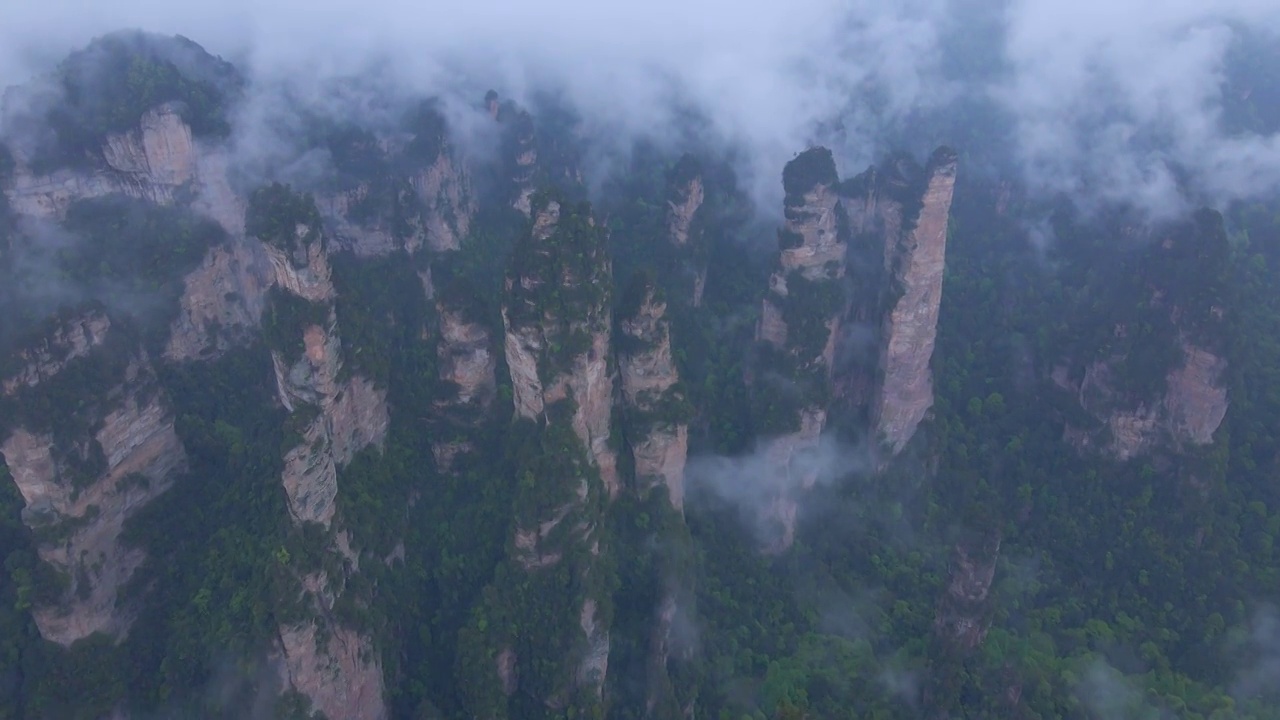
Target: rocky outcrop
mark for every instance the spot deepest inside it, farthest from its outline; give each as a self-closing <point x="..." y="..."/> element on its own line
<point x="79" y="491"/>
<point x="332" y="416"/>
<point x="396" y="208"/>
<point x="161" y="150"/>
<point x="310" y="477"/>
<point x="358" y="418"/>
<point x="337" y="669"/>
<point x="222" y="301"/>
<point x="655" y="404"/>
<point x="467" y="362"/>
<point x="68" y="341"/>
<point x="373" y="236"/>
<point x="1196" y="400"/>
<point x="466" y="356"/>
<point x="152" y="162"/>
<point x="1160" y="382"/>
<point x="791" y="472"/>
<point x="685" y="228"/>
<point x="523" y="347"/>
<point x="49" y="196"/>
<point x="556" y="318"/>
<point x="148" y="163"/>
<point x="520" y="155"/>
<point x="904" y="210"/>
<point x="304" y="271"/>
<point x="799" y="321"/>
<point x="558" y="354"/>
<point x="334" y="419"/>
<point x="448" y="203"/>
<point x="655" y="423"/>
<point x="1189" y="411"/>
<point x="963" y="615"/>
<point x="682" y="208"/>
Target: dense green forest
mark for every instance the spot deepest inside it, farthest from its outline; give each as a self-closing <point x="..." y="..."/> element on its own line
<point x="1146" y="586"/>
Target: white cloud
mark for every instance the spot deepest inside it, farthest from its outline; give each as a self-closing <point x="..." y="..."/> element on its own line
<point x="1105" y="95"/>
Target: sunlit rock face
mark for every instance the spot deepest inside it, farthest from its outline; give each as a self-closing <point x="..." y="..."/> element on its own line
<point x="161" y="150"/>
<point x="150" y="162"/>
<point x="303" y="270"/>
<point x="80" y="489"/>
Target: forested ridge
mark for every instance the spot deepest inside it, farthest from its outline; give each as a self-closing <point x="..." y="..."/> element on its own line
<point x="1057" y="539"/>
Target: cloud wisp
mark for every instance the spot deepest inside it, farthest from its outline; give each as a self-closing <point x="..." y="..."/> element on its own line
<point x="1107" y="101"/>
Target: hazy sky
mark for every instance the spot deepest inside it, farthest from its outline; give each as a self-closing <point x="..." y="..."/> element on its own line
<point x="1102" y="94"/>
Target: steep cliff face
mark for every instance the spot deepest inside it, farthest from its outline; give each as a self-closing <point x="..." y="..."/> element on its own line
<point x="83" y="478"/>
<point x="560" y="353"/>
<point x="686" y="226"/>
<point x="161" y="151"/>
<point x="905" y="211"/>
<point x="799" y="321"/>
<point x="335" y="420"/>
<point x="655" y="416"/>
<point x="1187" y="413"/>
<point x="449" y="203"/>
<point x="466" y="357"/>
<point x="363" y="233"/>
<point x="556" y="317"/>
<point x="520" y="155"/>
<point x="963" y="614"/>
<point x="303" y="270"/>
<point x="655" y="405"/>
<point x="392" y="211"/>
<point x="151" y="162"/>
<point x="335" y="668"/>
<point x="681" y="209"/>
<point x="1177" y="341"/>
<point x="222" y="301"/>
<point x="332" y="416"/>
<point x="1196" y="402"/>
<point x="50" y="355"/>
<point x="467" y="361"/>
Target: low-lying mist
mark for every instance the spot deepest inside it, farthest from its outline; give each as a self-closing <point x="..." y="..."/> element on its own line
<point x="1106" y="101"/>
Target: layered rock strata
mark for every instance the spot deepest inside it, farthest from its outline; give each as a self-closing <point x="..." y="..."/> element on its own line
<point x="80" y="489"/>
